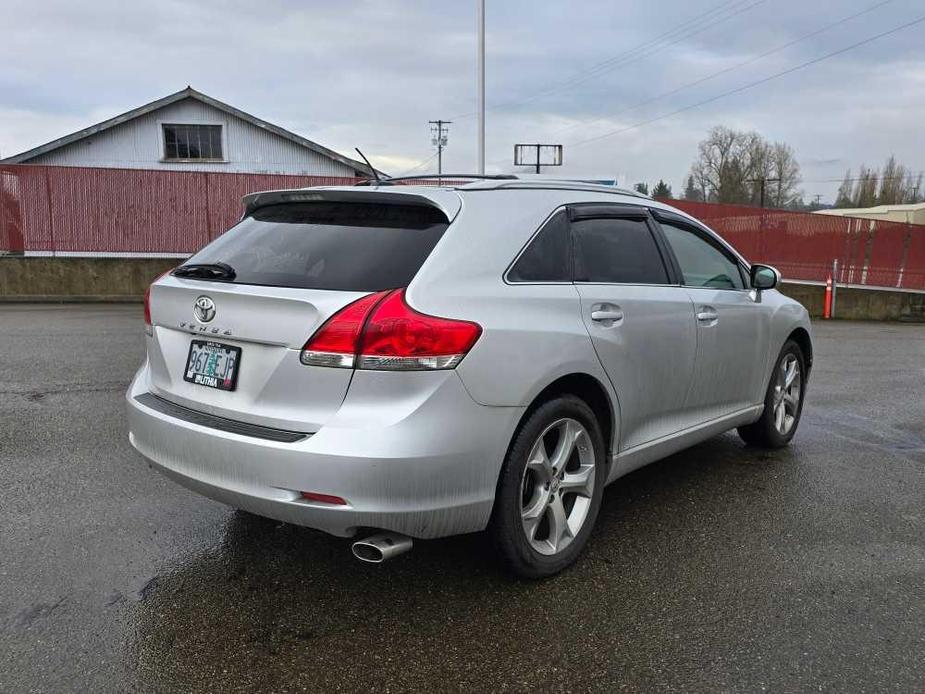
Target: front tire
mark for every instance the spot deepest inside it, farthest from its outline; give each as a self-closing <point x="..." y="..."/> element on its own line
<point x="783" y="402"/>
<point x="550" y="489"/>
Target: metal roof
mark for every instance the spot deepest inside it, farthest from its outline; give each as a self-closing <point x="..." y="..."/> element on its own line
<point x="188" y="93"/>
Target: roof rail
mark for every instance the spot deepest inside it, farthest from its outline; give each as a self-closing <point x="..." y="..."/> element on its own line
<point x="453" y="177"/>
<point x="566" y="184"/>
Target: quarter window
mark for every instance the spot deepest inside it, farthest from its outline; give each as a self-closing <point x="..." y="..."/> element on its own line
<point x="546" y="259"/>
<point x="197" y="142"/>
<point x="617" y="251"/>
<point x="702" y="263"/>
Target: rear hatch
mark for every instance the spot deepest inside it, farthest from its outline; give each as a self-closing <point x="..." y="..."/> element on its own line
<point x="226" y="339"/>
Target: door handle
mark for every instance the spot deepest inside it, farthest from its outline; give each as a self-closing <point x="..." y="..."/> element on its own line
<point x="707" y="315"/>
<point x="601" y="315"/>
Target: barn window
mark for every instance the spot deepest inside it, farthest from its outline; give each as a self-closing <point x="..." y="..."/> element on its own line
<point x="197" y="142"/>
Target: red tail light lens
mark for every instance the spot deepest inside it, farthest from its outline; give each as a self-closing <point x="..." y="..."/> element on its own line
<point x="149" y="328"/>
<point x="337" y="341"/>
<point x="382" y="332"/>
<point x="148" y="310"/>
<point x="398" y="338"/>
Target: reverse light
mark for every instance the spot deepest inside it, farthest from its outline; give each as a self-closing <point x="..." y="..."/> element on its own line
<point x="381" y="332"/>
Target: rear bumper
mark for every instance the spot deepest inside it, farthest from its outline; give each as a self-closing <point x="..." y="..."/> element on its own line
<point x="415" y="456"/>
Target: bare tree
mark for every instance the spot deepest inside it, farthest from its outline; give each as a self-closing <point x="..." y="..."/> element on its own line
<point x="732" y="167"/>
<point x="782" y="172"/>
<point x="895" y="184"/>
<point x="845" y="191"/>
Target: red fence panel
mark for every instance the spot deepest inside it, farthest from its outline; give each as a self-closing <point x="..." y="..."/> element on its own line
<point x="56" y="209"/>
<point x="805" y="246"/>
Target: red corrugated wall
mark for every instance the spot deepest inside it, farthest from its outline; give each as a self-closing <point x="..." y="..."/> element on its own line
<point x="92" y="210"/>
<point x="95" y="210"/>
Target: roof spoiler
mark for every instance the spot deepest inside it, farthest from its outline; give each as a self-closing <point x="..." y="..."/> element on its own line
<point x="447" y="202"/>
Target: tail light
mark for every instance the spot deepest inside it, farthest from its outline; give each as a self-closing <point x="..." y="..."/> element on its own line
<point x="149" y="327"/>
<point x="381" y="332"/>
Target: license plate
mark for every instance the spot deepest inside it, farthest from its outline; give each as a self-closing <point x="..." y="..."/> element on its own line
<point x="212" y="364"/>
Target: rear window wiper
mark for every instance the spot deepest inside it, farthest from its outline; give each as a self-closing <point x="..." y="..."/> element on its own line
<point x="206" y="271"/>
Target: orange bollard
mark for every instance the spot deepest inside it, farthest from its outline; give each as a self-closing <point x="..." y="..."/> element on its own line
<point x="827" y="305"/>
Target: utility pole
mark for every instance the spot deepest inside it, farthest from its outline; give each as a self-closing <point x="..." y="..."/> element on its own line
<point x="481" y="86"/>
<point x="763" y="180"/>
<point x="439" y="130"/>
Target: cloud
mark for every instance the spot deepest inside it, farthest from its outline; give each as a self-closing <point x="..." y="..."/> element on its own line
<point x="371" y="74"/>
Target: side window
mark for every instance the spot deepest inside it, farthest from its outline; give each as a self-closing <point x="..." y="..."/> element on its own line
<point x="617" y="251"/>
<point x="546" y="259"/>
<point x="702" y="263"/>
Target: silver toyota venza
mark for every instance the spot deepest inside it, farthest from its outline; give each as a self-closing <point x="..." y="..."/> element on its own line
<point x="416" y="361"/>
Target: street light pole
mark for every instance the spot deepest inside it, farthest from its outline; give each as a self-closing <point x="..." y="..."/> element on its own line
<point x="481" y="86"/>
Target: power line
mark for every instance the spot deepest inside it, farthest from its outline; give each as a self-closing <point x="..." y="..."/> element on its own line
<point x="724" y="71"/>
<point x="643" y="50"/>
<point x="417" y="166"/>
<point x="750" y="85"/>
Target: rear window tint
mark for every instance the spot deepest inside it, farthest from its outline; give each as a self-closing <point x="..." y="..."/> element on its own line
<point x="617" y="251"/>
<point x="546" y="259"/>
<point x="329" y="245"/>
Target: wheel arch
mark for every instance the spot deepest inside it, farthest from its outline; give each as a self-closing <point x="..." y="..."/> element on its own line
<point x="589" y="389"/>
<point x="801" y="337"/>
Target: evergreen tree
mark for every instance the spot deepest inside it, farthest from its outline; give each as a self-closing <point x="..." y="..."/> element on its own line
<point x="661" y="190"/>
<point x="691" y="191"/>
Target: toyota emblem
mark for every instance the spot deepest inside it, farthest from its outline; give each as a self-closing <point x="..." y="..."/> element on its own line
<point x="204" y="309"/>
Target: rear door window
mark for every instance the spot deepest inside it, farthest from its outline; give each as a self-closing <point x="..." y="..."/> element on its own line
<point x="613" y="250"/>
<point x="363" y="247"/>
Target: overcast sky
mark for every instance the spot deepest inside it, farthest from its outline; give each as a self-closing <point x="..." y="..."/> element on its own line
<point x="371" y="74"/>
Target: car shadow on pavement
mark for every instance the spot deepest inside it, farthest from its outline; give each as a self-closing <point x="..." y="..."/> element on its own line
<point x="275" y="606"/>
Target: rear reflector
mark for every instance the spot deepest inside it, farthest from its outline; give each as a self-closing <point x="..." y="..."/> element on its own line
<point x="323" y="498"/>
<point x="381" y="332"/>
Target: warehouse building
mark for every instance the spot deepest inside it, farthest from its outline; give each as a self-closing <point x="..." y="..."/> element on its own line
<point x="908" y="214"/>
<point x="191" y="131"/>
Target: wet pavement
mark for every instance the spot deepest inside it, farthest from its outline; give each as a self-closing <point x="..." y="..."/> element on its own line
<point x="720" y="568"/>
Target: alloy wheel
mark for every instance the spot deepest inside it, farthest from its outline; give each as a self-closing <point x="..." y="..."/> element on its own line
<point x="557" y="486"/>
<point x="787" y="392"/>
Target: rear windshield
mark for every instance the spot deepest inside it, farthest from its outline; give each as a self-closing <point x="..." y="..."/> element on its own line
<point x="329" y="245"/>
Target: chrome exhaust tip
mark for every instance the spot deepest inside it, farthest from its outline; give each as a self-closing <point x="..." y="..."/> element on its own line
<point x="377" y="548"/>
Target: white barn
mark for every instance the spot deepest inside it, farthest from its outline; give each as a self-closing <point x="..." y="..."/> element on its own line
<point x="190" y="131"/>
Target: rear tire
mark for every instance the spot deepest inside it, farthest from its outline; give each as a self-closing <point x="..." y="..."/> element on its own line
<point x="783" y="401"/>
<point x="550" y="489"/>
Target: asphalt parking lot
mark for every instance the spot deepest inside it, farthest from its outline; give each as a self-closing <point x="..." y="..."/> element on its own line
<point x="720" y="568"/>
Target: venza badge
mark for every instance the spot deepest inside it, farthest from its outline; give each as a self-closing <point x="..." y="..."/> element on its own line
<point x="204" y="309"/>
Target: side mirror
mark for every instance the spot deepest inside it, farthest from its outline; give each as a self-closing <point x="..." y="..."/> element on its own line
<point x="764" y="277"/>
